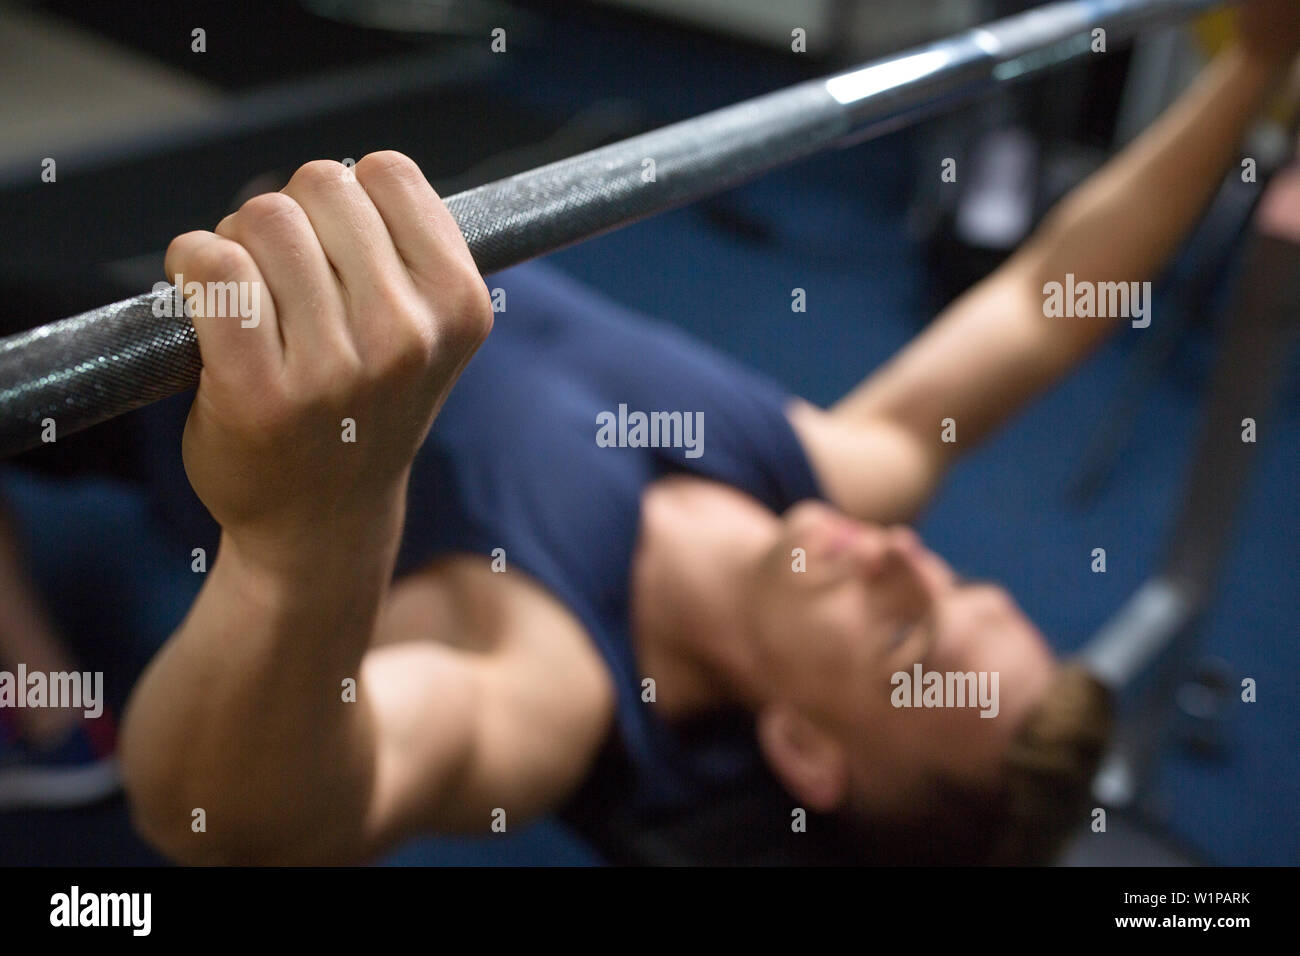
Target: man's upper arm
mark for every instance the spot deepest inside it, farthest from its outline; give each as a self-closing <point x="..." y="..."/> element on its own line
<point x="509" y="722"/>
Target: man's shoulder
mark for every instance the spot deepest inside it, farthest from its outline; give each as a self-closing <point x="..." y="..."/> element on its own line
<point x="481" y="605"/>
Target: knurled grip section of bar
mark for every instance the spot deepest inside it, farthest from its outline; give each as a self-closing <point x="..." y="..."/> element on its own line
<point x="94" y="366"/>
<point x="91" y="367"/>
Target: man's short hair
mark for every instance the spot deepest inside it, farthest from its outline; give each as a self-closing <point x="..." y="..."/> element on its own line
<point x="1041" y="797"/>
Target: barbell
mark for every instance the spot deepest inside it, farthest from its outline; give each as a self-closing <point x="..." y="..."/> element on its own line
<point x="94" y="366"/>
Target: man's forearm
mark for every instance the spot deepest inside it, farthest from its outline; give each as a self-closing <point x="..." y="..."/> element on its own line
<point x="242" y="713"/>
<point x="995" y="348"/>
<point x="299" y="442"/>
<point x="1123" y="223"/>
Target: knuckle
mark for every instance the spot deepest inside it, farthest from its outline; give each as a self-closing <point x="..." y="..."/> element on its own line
<point x="269" y="212"/>
<point x="469" y="317"/>
<point x="407" y="361"/>
<point x="390" y="164"/>
<point x="219" y="258"/>
<point x="390" y="304"/>
<point x="179" y="249"/>
<point x="334" y="394"/>
<point x="338" y="371"/>
<point x="320" y="174"/>
<point x="409" y="329"/>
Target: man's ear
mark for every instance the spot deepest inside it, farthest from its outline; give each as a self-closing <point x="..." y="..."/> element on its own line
<point x="805" y="758"/>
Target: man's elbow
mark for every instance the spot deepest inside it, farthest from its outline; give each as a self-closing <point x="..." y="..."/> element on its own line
<point x="210" y="823"/>
<point x="182" y="834"/>
<point x="175" y="823"/>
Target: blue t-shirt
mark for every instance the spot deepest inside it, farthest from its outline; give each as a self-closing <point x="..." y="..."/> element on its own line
<point x="513" y="462"/>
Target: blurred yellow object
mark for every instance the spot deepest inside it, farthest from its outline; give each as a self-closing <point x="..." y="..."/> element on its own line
<point x="1218" y="28"/>
<point x="1215" y="30"/>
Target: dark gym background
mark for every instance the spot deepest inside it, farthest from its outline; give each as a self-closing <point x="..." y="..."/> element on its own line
<point x="877" y="255"/>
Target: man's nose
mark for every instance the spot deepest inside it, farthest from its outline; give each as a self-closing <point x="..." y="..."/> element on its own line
<point x="902" y="556"/>
<point x="868" y="545"/>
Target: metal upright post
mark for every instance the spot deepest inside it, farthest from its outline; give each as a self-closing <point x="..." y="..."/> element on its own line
<point x="1147" y="649"/>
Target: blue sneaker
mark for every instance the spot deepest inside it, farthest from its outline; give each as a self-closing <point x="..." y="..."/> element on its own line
<point x="76" y="771"/>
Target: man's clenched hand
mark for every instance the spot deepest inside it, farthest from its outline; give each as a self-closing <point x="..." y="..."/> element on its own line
<point x="369" y="306"/>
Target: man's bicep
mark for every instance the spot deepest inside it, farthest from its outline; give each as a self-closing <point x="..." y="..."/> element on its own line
<point x="506" y="723"/>
<point x="426" y="705"/>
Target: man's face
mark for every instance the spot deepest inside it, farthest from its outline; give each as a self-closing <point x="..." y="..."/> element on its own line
<point x="869" y="604"/>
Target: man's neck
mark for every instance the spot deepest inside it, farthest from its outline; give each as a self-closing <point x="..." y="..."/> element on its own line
<point x="699" y="544"/>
